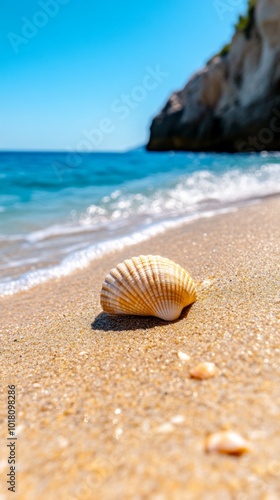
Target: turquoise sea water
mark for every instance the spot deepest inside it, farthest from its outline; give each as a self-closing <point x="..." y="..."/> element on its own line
<point x="57" y="213"/>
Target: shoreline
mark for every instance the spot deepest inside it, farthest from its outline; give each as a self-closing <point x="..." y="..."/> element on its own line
<point x="106" y="403"/>
<point x="83" y="259"/>
<point x="106" y="247"/>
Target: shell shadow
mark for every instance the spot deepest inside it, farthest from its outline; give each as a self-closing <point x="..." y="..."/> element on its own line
<point x="119" y="323"/>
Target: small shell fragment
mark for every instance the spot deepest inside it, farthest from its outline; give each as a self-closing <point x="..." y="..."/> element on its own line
<point x="183" y="356"/>
<point x="204" y="371"/>
<point x="148" y="285"/>
<point x="177" y="419"/>
<point x="165" y="428"/>
<point x="227" y="442"/>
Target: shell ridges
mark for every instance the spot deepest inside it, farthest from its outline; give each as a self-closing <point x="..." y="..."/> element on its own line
<point x="148" y="286"/>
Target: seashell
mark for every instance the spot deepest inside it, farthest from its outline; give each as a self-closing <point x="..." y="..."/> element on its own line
<point x="183" y="356"/>
<point x="165" y="428"/>
<point x="204" y="370"/>
<point x="228" y="442"/>
<point x="148" y="286"/>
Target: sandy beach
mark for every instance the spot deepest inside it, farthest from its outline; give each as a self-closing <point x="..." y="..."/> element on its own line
<point x="105" y="407"/>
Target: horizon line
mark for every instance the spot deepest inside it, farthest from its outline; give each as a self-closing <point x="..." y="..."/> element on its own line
<point x="64" y="151"/>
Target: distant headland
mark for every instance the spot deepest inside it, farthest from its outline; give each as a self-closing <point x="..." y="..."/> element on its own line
<point x="233" y="103"/>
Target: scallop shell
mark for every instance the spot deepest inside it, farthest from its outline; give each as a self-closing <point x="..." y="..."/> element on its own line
<point x="148" y="286"/>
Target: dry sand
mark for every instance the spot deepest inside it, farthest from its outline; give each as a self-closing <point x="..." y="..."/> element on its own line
<point x="106" y="409"/>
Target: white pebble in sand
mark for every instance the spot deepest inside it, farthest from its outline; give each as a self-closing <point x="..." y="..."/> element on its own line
<point x="183" y="356"/>
<point x="165" y="428"/>
<point x="177" y="419"/>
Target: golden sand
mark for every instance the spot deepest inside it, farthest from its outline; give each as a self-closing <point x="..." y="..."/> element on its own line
<point x="106" y="408"/>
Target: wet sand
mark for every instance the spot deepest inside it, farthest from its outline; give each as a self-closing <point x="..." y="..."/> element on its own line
<point x="105" y="407"/>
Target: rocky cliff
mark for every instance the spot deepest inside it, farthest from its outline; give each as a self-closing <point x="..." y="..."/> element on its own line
<point x="233" y="103"/>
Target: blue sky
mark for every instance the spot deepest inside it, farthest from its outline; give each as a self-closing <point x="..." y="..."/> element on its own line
<point x="78" y="71"/>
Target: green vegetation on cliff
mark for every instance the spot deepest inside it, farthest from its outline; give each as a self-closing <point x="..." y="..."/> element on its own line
<point x="244" y="25"/>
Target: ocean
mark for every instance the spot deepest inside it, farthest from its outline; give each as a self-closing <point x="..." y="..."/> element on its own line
<point x="58" y="213"/>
